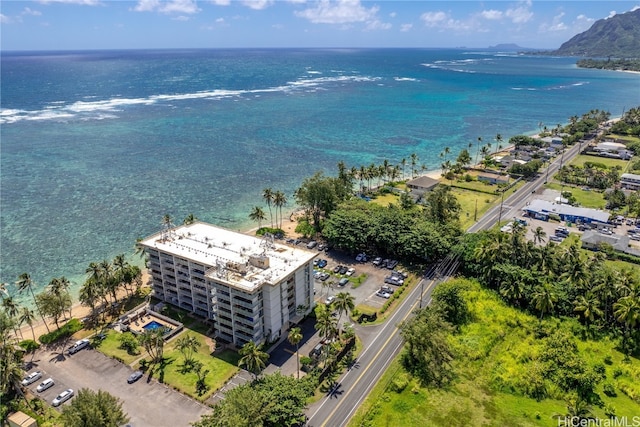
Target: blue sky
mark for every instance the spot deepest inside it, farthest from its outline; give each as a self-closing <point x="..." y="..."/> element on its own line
<point x="110" y="24"/>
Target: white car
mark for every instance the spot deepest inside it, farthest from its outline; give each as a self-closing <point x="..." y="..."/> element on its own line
<point x="32" y="378"/>
<point x="62" y="397"/>
<point x="350" y="271"/>
<point x="330" y="299"/>
<point x="383" y="294"/>
<point x="44" y="385"/>
<point x="79" y="345"/>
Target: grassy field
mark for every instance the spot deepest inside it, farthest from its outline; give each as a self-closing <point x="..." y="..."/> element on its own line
<point x="586" y="198"/>
<point x="581" y="159"/>
<point x="494" y="355"/>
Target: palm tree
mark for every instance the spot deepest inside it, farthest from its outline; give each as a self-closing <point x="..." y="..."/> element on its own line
<point x="589" y="306"/>
<point x="295" y="336"/>
<point x="25" y="282"/>
<point x="267" y="195"/>
<point x="28" y="316"/>
<point x="153" y="342"/>
<point x="253" y="358"/>
<point x="279" y="200"/>
<point x="59" y="287"/>
<point x="166" y="225"/>
<point x="257" y="214"/>
<point x="498" y="142"/>
<point x="414" y="161"/>
<point x="478" y="149"/>
<point x="539" y="235"/>
<point x="325" y="322"/>
<point x="189" y="219"/>
<point x="544" y="297"/>
<point x="12" y="309"/>
<point x="344" y="303"/>
<point x="403" y="163"/>
<point x="188" y="345"/>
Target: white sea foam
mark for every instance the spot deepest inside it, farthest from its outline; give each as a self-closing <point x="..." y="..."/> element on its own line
<point x="104" y="109"/>
<point x="405" y="79"/>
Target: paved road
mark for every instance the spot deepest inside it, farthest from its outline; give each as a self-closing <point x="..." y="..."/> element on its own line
<point x="339" y="405"/>
<point x="147" y="402"/>
<point x="512" y="205"/>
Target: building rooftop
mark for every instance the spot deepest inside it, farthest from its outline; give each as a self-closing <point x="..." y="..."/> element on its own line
<point x="237" y="259"/>
<point x="545" y="206"/>
<point x="630" y="176"/>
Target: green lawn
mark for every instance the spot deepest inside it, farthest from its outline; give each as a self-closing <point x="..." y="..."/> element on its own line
<point x="609" y="163"/>
<point x="109" y="346"/>
<point x="494" y="355"/>
<point x="586" y="198"/>
<point x="221" y="367"/>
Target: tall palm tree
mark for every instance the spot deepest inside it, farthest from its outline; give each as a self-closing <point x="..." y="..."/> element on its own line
<point x="59" y="287"/>
<point x="188" y="345"/>
<point x="28" y="316"/>
<point x="189" y="219"/>
<point x="344" y="303"/>
<point x="325" y="322"/>
<point x="12" y="308"/>
<point x="478" y="148"/>
<point x="403" y="163"/>
<point x="25" y="283"/>
<point x="589" y="306"/>
<point x="544" y="298"/>
<point x="279" y="200"/>
<point x="257" y="214"/>
<point x="414" y="161"/>
<point x="295" y="336"/>
<point x="498" y="142"/>
<point x="253" y="358"/>
<point x="267" y="195"/>
<point x="539" y="235"/>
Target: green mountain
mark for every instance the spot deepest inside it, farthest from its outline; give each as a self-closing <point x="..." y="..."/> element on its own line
<point x="616" y="37"/>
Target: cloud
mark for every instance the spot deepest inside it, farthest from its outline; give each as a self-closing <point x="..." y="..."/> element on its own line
<point x="392" y="15"/>
<point x="257" y="4"/>
<point x="167" y="7"/>
<point x="611" y="14"/>
<point x="181" y="18"/>
<point x="491" y="15"/>
<point x="406" y="27"/>
<point x="377" y="25"/>
<point x="339" y="12"/>
<point x="520" y="14"/>
<point x="634" y="8"/>
<point x="556" y="24"/>
<point x="31" y="12"/>
<point x="4" y="19"/>
<point x="442" y="20"/>
<point x="221" y="2"/>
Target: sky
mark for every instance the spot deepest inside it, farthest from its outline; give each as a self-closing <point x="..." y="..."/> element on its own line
<point x="162" y="24"/>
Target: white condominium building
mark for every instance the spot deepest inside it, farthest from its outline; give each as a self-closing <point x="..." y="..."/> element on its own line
<point x="251" y="287"/>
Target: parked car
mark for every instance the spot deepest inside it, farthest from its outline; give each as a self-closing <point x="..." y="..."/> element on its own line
<point x="391" y="264"/>
<point x="377" y="261"/>
<point x="562" y="230"/>
<point x="350" y="271"/>
<point x="317" y="274"/>
<point x="384" y="262"/>
<point x="78" y="345"/>
<point x="386" y="288"/>
<point x="343" y="269"/>
<point x="556" y="238"/>
<point x="322" y="247"/>
<point x="134" y="377"/>
<point x="383" y="294"/>
<point x="312" y="244"/>
<point x="361" y="257"/>
<point x="343" y="282"/>
<point x="337" y="268"/>
<point x="393" y="280"/>
<point x="316" y="351"/>
<point x="32" y="378"/>
<point x="324" y="276"/>
<point x="329" y="299"/>
<point x="62" y="397"/>
<point x="322" y="263"/>
<point x="44" y="385"/>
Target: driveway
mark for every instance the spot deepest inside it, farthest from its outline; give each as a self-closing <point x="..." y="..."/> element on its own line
<point x="147" y="402"/>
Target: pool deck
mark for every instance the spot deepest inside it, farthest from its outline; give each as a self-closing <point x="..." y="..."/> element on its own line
<point x="137" y="325"/>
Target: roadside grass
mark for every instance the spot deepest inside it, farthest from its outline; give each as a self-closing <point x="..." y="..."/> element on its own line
<point x="626" y="138"/>
<point x="586" y="198"/>
<point x="385" y="199"/>
<point x="468" y="200"/>
<point x="581" y="159"/>
<point x="494" y="355"/>
<point x="221" y="368"/>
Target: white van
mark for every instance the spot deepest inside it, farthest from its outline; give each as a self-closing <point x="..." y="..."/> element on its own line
<point x="79" y="345"/>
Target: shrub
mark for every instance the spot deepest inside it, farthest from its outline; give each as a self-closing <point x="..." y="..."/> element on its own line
<point x="399" y="384"/>
<point x="29" y="345"/>
<point x="68" y="329"/>
<point x="617" y="372"/>
<point x="609" y="390"/>
<point x="129" y="343"/>
<point x="608" y="360"/>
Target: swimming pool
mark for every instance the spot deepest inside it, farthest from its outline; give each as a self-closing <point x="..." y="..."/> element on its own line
<point x="153" y="325"/>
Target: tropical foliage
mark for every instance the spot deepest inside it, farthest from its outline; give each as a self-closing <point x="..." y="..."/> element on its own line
<point x="96" y="409"/>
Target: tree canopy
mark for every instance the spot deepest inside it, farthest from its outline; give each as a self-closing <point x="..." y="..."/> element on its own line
<point x="95" y="409"/>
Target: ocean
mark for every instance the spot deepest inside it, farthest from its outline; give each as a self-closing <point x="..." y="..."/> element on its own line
<point x="97" y="146"/>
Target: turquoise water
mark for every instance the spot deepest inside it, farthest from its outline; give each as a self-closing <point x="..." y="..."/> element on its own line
<point x="97" y="146"/>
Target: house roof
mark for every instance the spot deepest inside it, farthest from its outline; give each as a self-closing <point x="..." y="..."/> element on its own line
<point x="423" y="181"/>
<point x="630" y="176"/>
<point x="544" y="206"/>
<point x="618" y="242"/>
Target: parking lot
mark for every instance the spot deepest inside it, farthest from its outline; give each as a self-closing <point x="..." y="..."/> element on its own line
<point x="147" y="402"/>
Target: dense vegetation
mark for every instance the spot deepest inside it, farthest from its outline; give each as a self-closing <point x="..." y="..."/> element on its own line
<point x="502" y="367"/>
<point x="629" y="124"/>
<point x="610" y="64"/>
<point x="617" y="36"/>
